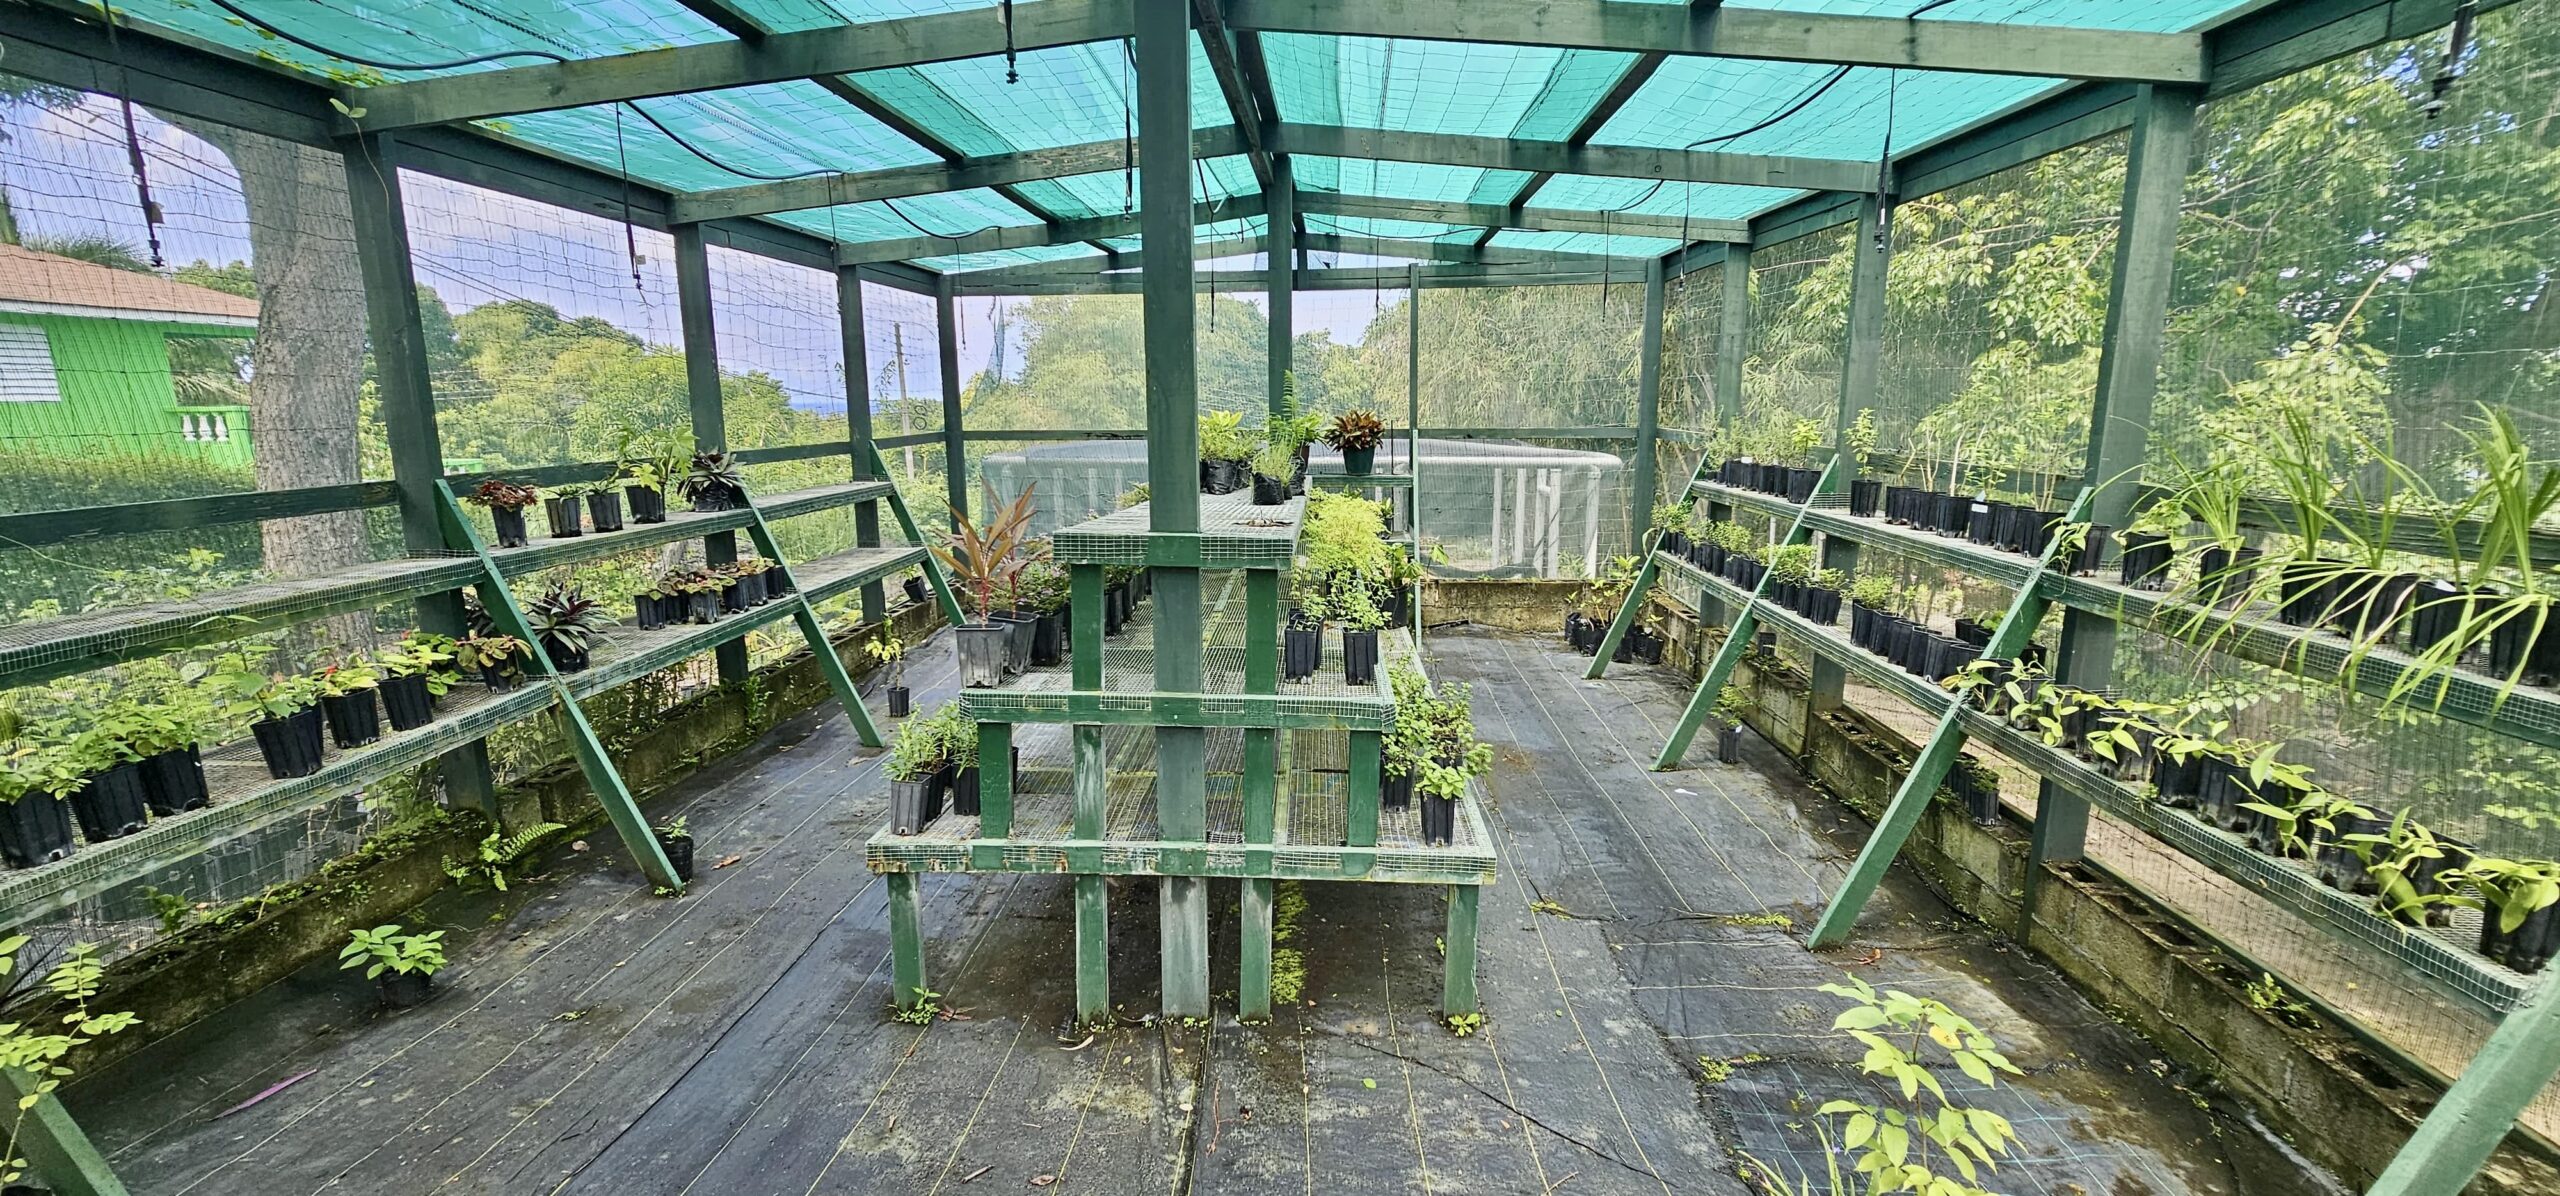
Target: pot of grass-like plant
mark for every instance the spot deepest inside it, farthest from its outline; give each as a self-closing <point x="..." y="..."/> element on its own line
<point x="675" y="841"/>
<point x="1361" y="620"/>
<point x="35" y="823"/>
<point x="712" y="483"/>
<point x="408" y="669"/>
<point x="1271" y="470"/>
<point x="1731" y="705"/>
<point x="505" y="502"/>
<point x="566" y="623"/>
<point x="565" y="509"/>
<point x="888" y="653"/>
<point x="604" y="507"/>
<point x="498" y="659"/>
<point x="1356" y="433"/>
<point x="916" y="765"/>
<point x="402" y="966"/>
<point x="347" y="691"/>
<point x="983" y="558"/>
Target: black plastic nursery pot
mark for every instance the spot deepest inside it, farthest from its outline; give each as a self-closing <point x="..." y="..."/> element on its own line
<point x="510" y="524"/>
<point x="501" y="680"/>
<point x="733" y="598"/>
<point x="604" y="510"/>
<point x="35" y="830"/>
<point x="2219" y="794"/>
<point x="2304" y="590"/>
<point x="649" y="611"/>
<point x="1672" y="542"/>
<point x="702" y="606"/>
<point x="1301" y="650"/>
<point x="173" y="781"/>
<point x="1113" y="613"/>
<point x="716" y="498"/>
<point x="982" y="648"/>
<point x="1269" y="492"/>
<point x="751" y="590"/>
<point x="564" y="516"/>
<point x="2177" y="780"/>
<point x="1048" y="639"/>
<point x="1018" y="630"/>
<point x="2530" y="946"/>
<point x="901" y="701"/>
<point x="405" y="990"/>
<point x="1399" y="608"/>
<point x="964" y="791"/>
<point x="1729" y="744"/>
<point x="915" y="589"/>
<point x="1439" y="821"/>
<point x="354" y="719"/>
<point x="2518" y="644"/>
<point x="1982" y="524"/>
<point x="1973" y="633"/>
<point x="2336" y="863"/>
<point x="1980" y="792"/>
<point x="679" y="852"/>
<point x="647" y="506"/>
<point x="2376" y="610"/>
<point x="1360" y="461"/>
<point x="567" y="659"/>
<point x="1863" y="497"/>
<point x="914" y="804"/>
<point x="1800" y="484"/>
<point x="2225" y="573"/>
<point x="2092" y="552"/>
<point x="112" y="804"/>
<point x="1395" y="790"/>
<point x="407" y="703"/>
<point x="1954" y="515"/>
<point x="1359" y="657"/>
<point x="2145" y="563"/>
<point x="1648" y="646"/>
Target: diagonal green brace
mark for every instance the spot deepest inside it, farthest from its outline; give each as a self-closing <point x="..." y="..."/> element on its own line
<point x="1936" y="757"/>
<point x="1736" y="641"/>
<point x="55" y="1148"/>
<point x="500" y="602"/>
<point x="907" y="528"/>
<point x="816" y="633"/>
<point x="2465" y="1127"/>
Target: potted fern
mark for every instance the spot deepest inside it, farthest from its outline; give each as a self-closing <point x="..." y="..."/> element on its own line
<point x="505" y="502"/>
<point x="1225" y="450"/>
<point x="983" y="560"/>
<point x="1356" y="434"/>
<point x="402" y="966"/>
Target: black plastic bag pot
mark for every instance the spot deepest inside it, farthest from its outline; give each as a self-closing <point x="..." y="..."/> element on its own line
<point x="2225" y="573"/>
<point x="901" y="701"/>
<point x="2145" y="563"/>
<point x="1439" y="821"/>
<point x="1269" y="492"/>
<point x="510" y="524"/>
<point x="1973" y="633"/>
<point x="2518" y="643"/>
<point x="1048" y="640"/>
<point x="1301" y="649"/>
<point x="407" y="703"/>
<point x="982" y="648"/>
<point x="679" y="853"/>
<point x="1729" y="744"/>
<point x="1648" y="648"/>
<point x="1863" y="497"/>
<point x="1953" y="656"/>
<point x="564" y="516"/>
<point x="405" y="990"/>
<point x="1671" y="542"/>
<point x="354" y="720"/>
<point x="1394" y="792"/>
<point x="2092" y="552"/>
<point x="35" y="830"/>
<point x="777" y="582"/>
<point x="915" y="589"/>
<point x="913" y="805"/>
<point x="173" y="781"/>
<point x="1359" y="657"/>
<point x="567" y="659"/>
<point x="112" y="804"/>
<point x="647" y="506"/>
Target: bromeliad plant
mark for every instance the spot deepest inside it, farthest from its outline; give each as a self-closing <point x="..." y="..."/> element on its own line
<point x="1356" y="430"/>
<point x="566" y="620"/>
<point x="712" y="482"/>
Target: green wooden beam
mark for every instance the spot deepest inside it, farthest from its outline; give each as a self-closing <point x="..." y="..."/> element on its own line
<point x="1033" y="236"/>
<point x="815" y="632"/>
<point x="56" y="1150"/>
<point x="35" y="529"/>
<point x="1737" y="640"/>
<point x="1253" y="974"/>
<point x="704" y="401"/>
<point x="1467" y="254"/>
<point x="1937" y="756"/>
<point x="933" y="575"/>
<point x="1648" y="405"/>
<point x="931" y="178"/>
<point x="851" y="330"/>
<point x="709" y="66"/>
<point x="1280" y="206"/>
<point x="1093" y="949"/>
<point x="1552" y="220"/>
<point x="1458" y="945"/>
<point x="1245" y="103"/>
<point x="1557" y="157"/>
<point x="955" y="455"/>
<point x="1727" y="32"/>
<point x="1638" y="71"/>
<point x="906" y="941"/>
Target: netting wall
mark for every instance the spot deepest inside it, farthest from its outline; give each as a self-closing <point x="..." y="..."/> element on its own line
<point x="1799" y="333"/>
<point x="1692" y="327"/>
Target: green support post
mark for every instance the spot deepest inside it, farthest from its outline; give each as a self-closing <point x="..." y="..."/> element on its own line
<point x="1648" y="406"/>
<point x="955" y="451"/>
<point x="806" y="615"/>
<point x="55" y="1148"/>
<point x="1360" y="813"/>
<point x="1737" y="641"/>
<point x="1936" y="756"/>
<point x="703" y="400"/>
<point x="406" y="395"/>
<point x="995" y="780"/>
<point x="1253" y="979"/>
<point x="1093" y="948"/>
<point x="1733" y="333"/>
<point x="850" y="325"/>
<point x="906" y="941"/>
<point x="1261" y="676"/>
<point x="1458" y="945"/>
<point x="1280" y="254"/>
<point x="499" y="600"/>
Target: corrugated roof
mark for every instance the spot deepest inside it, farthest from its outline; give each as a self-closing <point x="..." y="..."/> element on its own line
<point x="30" y="278"/>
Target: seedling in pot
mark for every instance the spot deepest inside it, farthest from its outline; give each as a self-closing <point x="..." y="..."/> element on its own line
<point x="404" y="965"/>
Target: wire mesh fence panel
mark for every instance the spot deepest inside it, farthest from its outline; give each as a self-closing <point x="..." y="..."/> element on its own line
<point x="781" y="350"/>
<point x="1799" y="331"/>
<point x="1692" y="329"/>
<point x="1995" y="300"/>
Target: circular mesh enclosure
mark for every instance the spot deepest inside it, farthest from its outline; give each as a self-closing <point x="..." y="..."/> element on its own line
<point x="1492" y="508"/>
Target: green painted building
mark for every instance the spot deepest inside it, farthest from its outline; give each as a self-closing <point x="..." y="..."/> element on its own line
<point x="85" y="360"/>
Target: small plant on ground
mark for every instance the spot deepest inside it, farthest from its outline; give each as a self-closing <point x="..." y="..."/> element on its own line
<point x="1465" y="1024"/>
<point x="927" y="1006"/>
<point x="385" y="949"/>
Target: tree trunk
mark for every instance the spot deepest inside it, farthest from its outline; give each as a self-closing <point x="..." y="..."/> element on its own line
<point x="308" y="362"/>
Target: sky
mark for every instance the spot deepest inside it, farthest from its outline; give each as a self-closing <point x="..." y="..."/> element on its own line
<point x="65" y="175"/>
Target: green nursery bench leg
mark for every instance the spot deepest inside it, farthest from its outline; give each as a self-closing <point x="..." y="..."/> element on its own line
<point x="906" y="940"/>
<point x="1458" y="945"/>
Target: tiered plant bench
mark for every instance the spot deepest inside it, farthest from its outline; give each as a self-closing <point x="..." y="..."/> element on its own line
<point x="1293" y="767"/>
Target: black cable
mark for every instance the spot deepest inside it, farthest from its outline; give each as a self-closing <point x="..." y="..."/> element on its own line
<point x="133" y="146"/>
<point x="317" y="48"/>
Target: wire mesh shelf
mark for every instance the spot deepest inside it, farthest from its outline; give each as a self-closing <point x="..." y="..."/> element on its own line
<point x="1234" y="534"/>
<point x="679" y="525"/>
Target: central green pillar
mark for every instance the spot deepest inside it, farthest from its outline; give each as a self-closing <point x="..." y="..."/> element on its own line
<point x="1280" y="253"/>
<point x="702" y="390"/>
<point x="857" y="411"/>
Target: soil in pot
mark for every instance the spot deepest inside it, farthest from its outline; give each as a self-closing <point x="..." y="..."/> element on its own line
<point x="1439" y="821"/>
<point x="647" y="506"/>
<point x="604" y="510"/>
<point x="510" y="524"/>
<point x="407" y="703"/>
<point x="174" y="781"/>
<point x="1359" y="657"/>
<point x="901" y="701"/>
<point x="354" y="719"/>
<point x="35" y="830"/>
<point x="679" y="851"/>
<point x="564" y="515"/>
<point x="112" y="804"/>
<point x="982" y="648"/>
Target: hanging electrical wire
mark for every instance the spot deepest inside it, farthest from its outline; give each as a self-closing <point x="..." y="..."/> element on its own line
<point x="2457" y="41"/>
<point x="133" y="147"/>
<point x="1010" y="75"/>
<point x="630" y="236"/>
<point x="1884" y="165"/>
